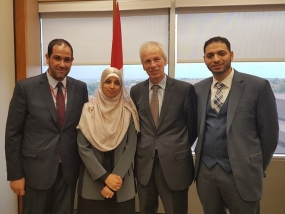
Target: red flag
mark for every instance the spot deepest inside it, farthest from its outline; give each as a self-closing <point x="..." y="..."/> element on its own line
<point x="117" y="50"/>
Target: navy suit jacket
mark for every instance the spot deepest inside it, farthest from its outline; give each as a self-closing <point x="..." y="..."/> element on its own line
<point x="33" y="140"/>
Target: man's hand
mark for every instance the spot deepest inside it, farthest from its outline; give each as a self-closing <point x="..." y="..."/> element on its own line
<point x="18" y="186"/>
<point x="114" y="182"/>
<point x="106" y="192"/>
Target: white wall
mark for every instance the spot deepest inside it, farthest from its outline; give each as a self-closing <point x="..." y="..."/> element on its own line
<point x="8" y="200"/>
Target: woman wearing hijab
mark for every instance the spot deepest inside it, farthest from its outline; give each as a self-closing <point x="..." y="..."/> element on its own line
<point x="107" y="139"/>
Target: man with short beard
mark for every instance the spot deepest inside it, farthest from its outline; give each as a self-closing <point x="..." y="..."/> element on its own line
<point x="237" y="134"/>
<point x="41" y="148"/>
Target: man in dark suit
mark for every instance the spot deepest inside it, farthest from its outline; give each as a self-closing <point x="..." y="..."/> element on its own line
<point x="41" y="150"/>
<point x="164" y="165"/>
<point x="237" y="134"/>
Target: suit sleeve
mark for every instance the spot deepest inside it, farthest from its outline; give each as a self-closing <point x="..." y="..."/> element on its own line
<point x="191" y="106"/>
<point x="127" y="156"/>
<point x="85" y="99"/>
<point x="14" y="134"/>
<point x="133" y="96"/>
<point x="93" y="166"/>
<point x="267" y="122"/>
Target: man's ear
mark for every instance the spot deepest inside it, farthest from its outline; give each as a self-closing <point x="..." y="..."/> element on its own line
<point x="47" y="58"/>
<point x="232" y="55"/>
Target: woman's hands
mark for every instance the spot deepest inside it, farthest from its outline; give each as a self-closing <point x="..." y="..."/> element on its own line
<point x="113" y="183"/>
<point x="107" y="193"/>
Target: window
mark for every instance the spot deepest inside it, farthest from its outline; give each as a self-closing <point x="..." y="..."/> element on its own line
<point x="254" y="32"/>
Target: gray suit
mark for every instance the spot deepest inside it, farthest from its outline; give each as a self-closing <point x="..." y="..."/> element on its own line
<point x="252" y="130"/>
<point x="90" y="184"/>
<point x="32" y="135"/>
<point x="173" y="138"/>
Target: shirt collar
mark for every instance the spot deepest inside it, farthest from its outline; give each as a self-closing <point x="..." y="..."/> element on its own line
<point x="53" y="82"/>
<point x="162" y="83"/>
<point x="227" y="81"/>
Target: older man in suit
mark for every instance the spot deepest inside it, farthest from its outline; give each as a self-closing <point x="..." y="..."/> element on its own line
<point x="237" y="134"/>
<point x="167" y="112"/>
<point x="41" y="150"/>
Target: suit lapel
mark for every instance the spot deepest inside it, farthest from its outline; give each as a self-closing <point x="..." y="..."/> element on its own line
<point x="70" y="98"/>
<point x="167" y="97"/>
<point x="203" y="103"/>
<point x="145" y="92"/>
<point x="45" y="90"/>
<point x="234" y="97"/>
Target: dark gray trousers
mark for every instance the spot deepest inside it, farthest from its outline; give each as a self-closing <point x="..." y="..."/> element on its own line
<point x="59" y="199"/>
<point x="174" y="202"/>
<point x="218" y="193"/>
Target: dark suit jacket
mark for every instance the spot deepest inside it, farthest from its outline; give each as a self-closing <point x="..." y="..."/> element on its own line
<point x="33" y="139"/>
<point x="174" y="136"/>
<point x="252" y="130"/>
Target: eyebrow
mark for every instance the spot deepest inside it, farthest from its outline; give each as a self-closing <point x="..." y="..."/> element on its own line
<point x="68" y="57"/>
<point x="219" y="51"/>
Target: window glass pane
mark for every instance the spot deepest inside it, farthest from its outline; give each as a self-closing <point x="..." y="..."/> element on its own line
<point x="91" y="74"/>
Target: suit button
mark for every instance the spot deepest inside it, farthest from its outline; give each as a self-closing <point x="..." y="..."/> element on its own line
<point x="217" y="128"/>
<point x="217" y="139"/>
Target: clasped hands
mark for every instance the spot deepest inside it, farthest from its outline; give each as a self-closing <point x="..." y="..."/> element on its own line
<point x="113" y="183"/>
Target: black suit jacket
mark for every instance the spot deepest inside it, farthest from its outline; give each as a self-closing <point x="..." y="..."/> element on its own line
<point x="33" y="140"/>
<point x="174" y="136"/>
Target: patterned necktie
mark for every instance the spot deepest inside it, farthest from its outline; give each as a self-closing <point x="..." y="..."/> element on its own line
<point x="60" y="105"/>
<point x="218" y="101"/>
<point x="154" y="104"/>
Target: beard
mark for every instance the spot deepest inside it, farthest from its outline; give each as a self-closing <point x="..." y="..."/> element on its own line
<point x="224" y="69"/>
